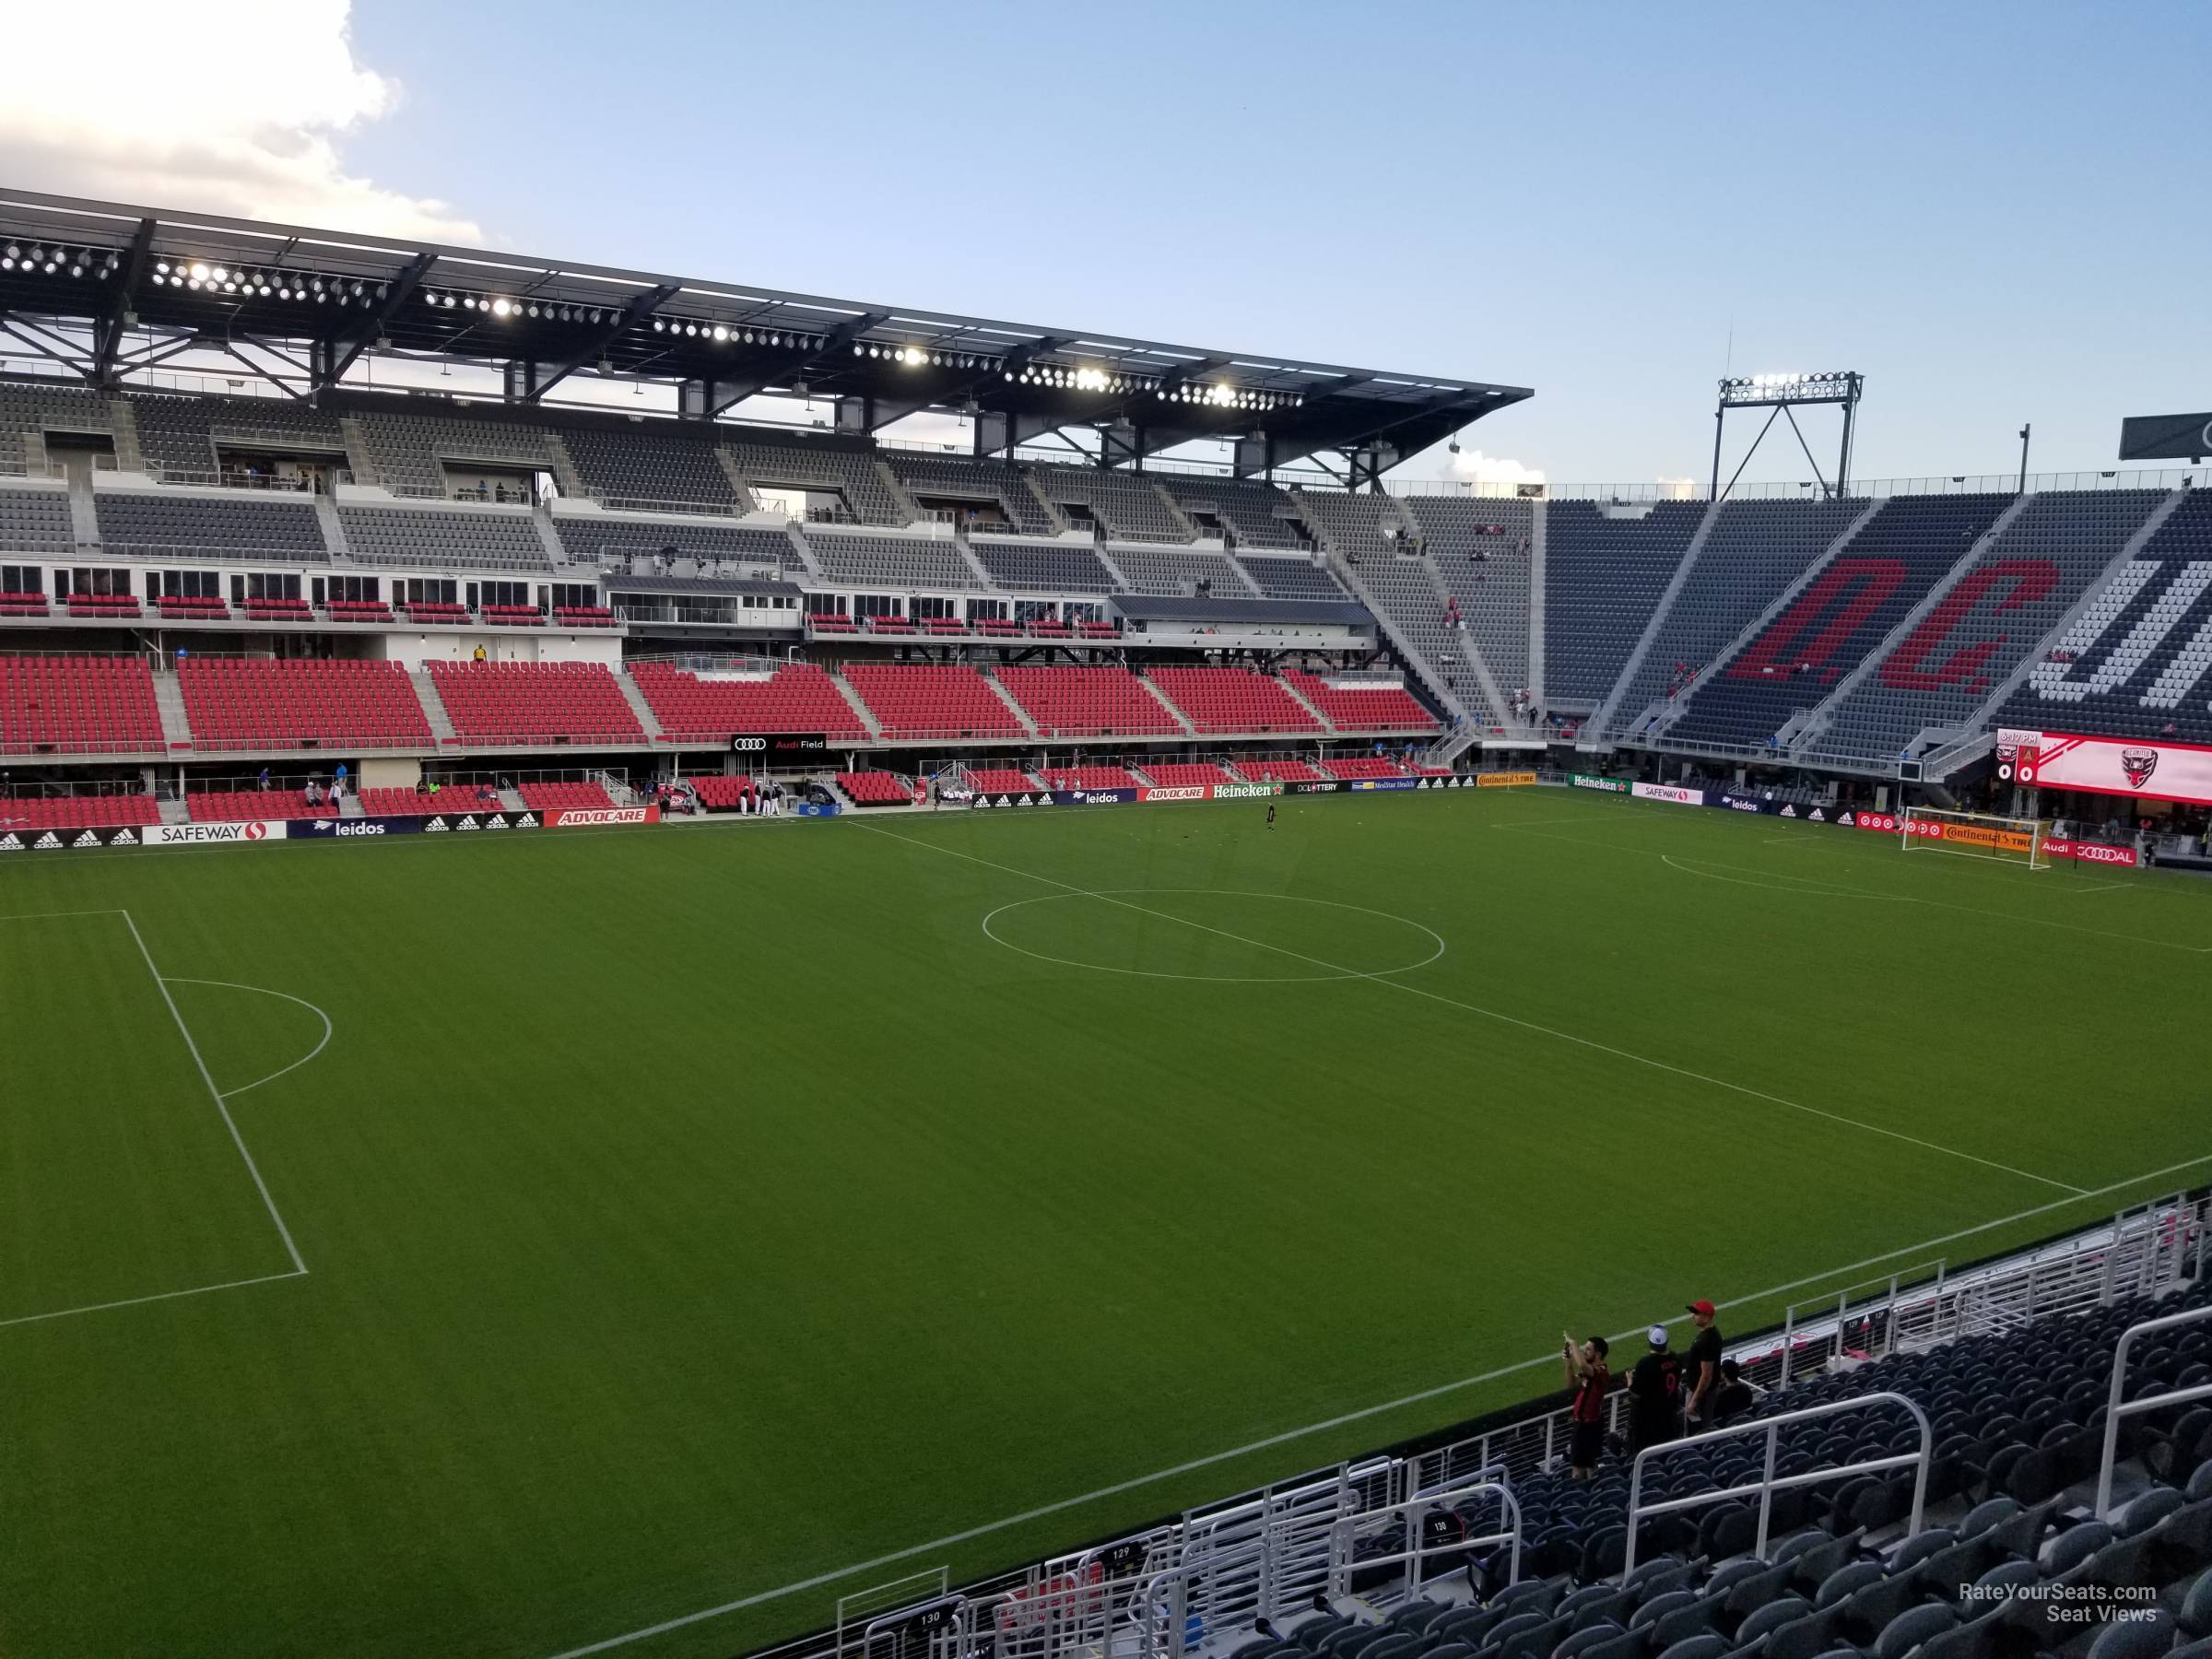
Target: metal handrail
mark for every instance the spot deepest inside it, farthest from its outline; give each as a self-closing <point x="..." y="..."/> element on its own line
<point x="2115" y="1409"/>
<point x="1769" y="1483"/>
<point x="1413" y="1511"/>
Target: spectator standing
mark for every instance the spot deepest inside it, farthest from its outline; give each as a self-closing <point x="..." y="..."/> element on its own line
<point x="1654" y="1393"/>
<point x="265" y="777"/>
<point x="1704" y="1366"/>
<point x="1587" y="1375"/>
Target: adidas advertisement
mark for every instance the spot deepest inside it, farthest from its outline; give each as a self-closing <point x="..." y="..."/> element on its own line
<point x="57" y="841"/>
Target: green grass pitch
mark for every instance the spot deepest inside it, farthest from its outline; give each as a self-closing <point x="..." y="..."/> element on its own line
<point x="689" y="1214"/>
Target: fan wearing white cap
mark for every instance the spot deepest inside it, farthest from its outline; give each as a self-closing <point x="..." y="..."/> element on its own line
<point x="1654" y="1393"/>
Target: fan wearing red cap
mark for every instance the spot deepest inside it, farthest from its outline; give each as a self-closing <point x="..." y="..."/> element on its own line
<point x="1704" y="1366"/>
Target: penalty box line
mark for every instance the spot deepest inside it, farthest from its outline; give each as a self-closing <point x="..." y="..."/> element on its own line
<point x="298" y="1267"/>
<point x="1526" y="1025"/>
<point x="1344" y="1420"/>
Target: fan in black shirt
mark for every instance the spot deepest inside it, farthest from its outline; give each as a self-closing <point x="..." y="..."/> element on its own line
<point x="1654" y="1394"/>
<point x="1704" y="1366"/>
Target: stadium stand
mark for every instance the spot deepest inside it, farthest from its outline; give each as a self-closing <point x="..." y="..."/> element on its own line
<point x="1756" y="549"/>
<point x="1992" y="613"/>
<point x="181" y="439"/>
<point x="78" y="705"/>
<point x="163" y="524"/>
<point x="1894" y="561"/>
<point x="410" y="451"/>
<point x="2016" y="1412"/>
<point x="1480" y="549"/>
<point x="1275" y="768"/>
<point x="77" y="811"/>
<point x="1052" y="566"/>
<point x="235" y="805"/>
<point x="407" y="803"/>
<point x="1184" y="774"/>
<point x="896" y="562"/>
<point x="1603" y="575"/>
<point x="1000" y="779"/>
<point x="1231" y="699"/>
<point x="722" y="792"/>
<point x="1255" y="516"/>
<point x="1086" y="703"/>
<point x="530" y="702"/>
<point x="876" y="788"/>
<point x="1161" y="571"/>
<point x="1292" y="579"/>
<point x="1128" y="505"/>
<point x="258" y="703"/>
<point x="177" y="607"/>
<point x="917" y="699"/>
<point x="574" y="796"/>
<point x="28" y="413"/>
<point x="36" y="521"/>
<point x="1354" y="707"/>
<point x="977" y="480"/>
<point x="590" y="538"/>
<point x="839" y="467"/>
<point x="656" y="465"/>
<point x="1363" y="766"/>
<point x="1089" y="777"/>
<point x="793" y="696"/>
<point x="449" y="538"/>
<point x="2135" y="662"/>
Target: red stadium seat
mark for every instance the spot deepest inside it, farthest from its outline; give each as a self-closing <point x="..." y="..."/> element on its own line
<point x="710" y="709"/>
<point x="948" y="700"/>
<point x="78" y="705"/>
<point x="1356" y="708"/>
<point x="534" y="702"/>
<point x="257" y="704"/>
<point x="1086" y="703"/>
<point x="1232" y="699"/>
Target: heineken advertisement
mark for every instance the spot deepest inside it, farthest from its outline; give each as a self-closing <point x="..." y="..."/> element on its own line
<point x="1244" y="792"/>
<point x="1588" y="781"/>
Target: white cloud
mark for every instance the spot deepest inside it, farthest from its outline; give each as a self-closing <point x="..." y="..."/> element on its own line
<point x="233" y="107"/>
<point x="1474" y="468"/>
<point x="1679" y="489"/>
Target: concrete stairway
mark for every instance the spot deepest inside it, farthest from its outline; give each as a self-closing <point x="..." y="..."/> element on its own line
<point x="1175" y="713"/>
<point x="1006" y="697"/>
<point x="357" y="459"/>
<point x="865" y="714"/>
<point x="1298" y="697"/>
<point x="169" y="701"/>
<point x="639" y="706"/>
<point x="349" y="805"/>
<point x="129" y="457"/>
<point x="433" y="706"/>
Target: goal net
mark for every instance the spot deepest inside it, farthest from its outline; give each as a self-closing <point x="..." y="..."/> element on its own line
<point x="1974" y="835"/>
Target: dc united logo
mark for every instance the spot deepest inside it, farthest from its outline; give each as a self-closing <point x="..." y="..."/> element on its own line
<point x="2138" y="764"/>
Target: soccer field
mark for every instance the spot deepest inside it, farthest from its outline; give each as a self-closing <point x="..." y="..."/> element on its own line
<point x="495" y="1246"/>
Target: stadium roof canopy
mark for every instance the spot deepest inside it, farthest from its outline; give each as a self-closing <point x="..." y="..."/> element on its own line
<point x="112" y="291"/>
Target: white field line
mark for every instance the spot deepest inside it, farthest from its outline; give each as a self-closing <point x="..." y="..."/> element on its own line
<point x="134" y="1301"/>
<point x="1965" y="910"/>
<point x="1526" y="1025"/>
<point x="1426" y="1395"/>
<point x="216" y="1094"/>
<point x="58" y="916"/>
<point x="264" y="990"/>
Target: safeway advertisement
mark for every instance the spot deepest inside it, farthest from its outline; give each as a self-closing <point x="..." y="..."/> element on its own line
<point x="1668" y="791"/>
<point x="202" y="835"/>
<point x="573" y="817"/>
<point x="2150" y="771"/>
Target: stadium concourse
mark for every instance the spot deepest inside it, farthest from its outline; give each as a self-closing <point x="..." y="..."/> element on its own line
<point x="342" y="612"/>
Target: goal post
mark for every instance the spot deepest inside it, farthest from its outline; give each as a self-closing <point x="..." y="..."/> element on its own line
<point x="2016" y="841"/>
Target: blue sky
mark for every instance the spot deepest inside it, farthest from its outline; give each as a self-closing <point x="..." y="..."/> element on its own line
<point x="1986" y="208"/>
